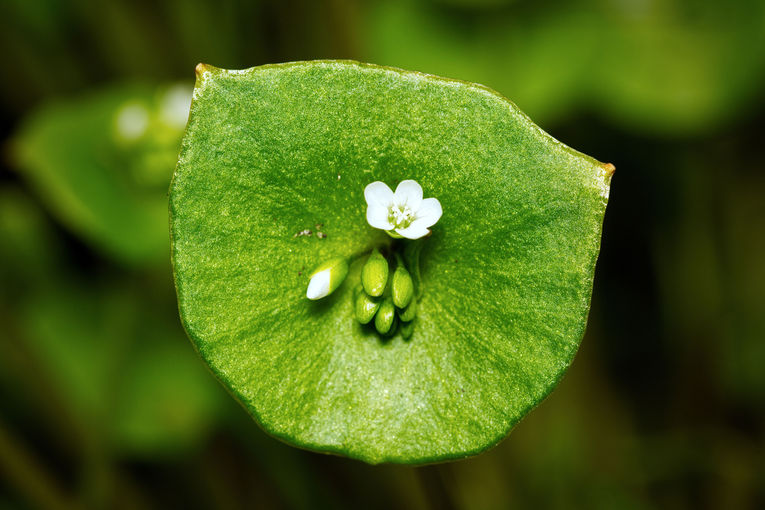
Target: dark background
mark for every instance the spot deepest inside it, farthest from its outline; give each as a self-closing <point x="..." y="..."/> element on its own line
<point x="103" y="403"/>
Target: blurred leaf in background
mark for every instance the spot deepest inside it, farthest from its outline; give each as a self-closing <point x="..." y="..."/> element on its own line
<point x="103" y="163"/>
<point x="121" y="367"/>
<point x="110" y="352"/>
<point x="667" y="67"/>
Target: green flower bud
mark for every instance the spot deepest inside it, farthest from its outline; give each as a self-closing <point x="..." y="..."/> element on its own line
<point x="385" y="316"/>
<point x="365" y="307"/>
<point x="402" y="287"/>
<point x="407" y="328"/>
<point x="393" y="327"/>
<point x="374" y="274"/>
<point x="408" y="313"/>
<point x="326" y="278"/>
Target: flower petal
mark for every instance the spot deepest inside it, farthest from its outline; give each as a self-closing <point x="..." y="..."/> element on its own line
<point x="377" y="216"/>
<point x="409" y="193"/>
<point x="378" y="193"/>
<point x="429" y="212"/>
<point x="413" y="231"/>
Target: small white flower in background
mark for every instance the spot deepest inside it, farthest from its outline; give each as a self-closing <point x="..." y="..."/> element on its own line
<point x="132" y="121"/>
<point x="403" y="213"/>
<point x="176" y="103"/>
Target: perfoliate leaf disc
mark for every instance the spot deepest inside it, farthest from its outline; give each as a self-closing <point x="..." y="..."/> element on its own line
<point x="273" y="155"/>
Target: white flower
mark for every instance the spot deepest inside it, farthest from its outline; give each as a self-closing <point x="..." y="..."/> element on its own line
<point x="132" y="121"/>
<point x="176" y="104"/>
<point x="403" y="213"/>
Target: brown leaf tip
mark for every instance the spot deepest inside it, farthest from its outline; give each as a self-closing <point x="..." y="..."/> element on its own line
<point x="199" y="69"/>
<point x="610" y="169"/>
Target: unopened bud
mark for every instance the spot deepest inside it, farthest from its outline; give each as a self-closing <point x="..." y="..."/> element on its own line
<point x="385" y="316"/>
<point x="365" y="307"/>
<point x="406" y="329"/>
<point x="402" y="287"/>
<point x="374" y="274"/>
<point x="326" y="278"/>
<point x="393" y="327"/>
<point x="408" y="313"/>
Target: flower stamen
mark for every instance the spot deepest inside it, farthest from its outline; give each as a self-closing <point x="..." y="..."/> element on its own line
<point x="401" y="216"/>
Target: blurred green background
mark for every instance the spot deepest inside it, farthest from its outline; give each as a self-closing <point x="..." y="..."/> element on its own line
<point x="103" y="401"/>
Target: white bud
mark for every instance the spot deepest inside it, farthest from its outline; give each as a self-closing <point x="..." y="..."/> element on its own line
<point x="326" y="278"/>
<point x="318" y="287"/>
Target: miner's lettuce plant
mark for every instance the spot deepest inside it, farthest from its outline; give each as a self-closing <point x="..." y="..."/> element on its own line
<point x="269" y="195"/>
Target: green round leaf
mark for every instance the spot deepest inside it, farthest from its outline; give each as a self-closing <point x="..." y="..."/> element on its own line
<point x="504" y="282"/>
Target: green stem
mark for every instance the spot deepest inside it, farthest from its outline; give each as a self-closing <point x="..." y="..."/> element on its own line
<point x="412" y="250"/>
<point x="356" y="256"/>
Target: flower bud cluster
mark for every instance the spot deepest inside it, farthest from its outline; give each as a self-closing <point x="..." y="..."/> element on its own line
<point x="388" y="300"/>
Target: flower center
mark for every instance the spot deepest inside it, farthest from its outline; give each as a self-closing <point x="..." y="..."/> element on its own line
<point x="401" y="216"/>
